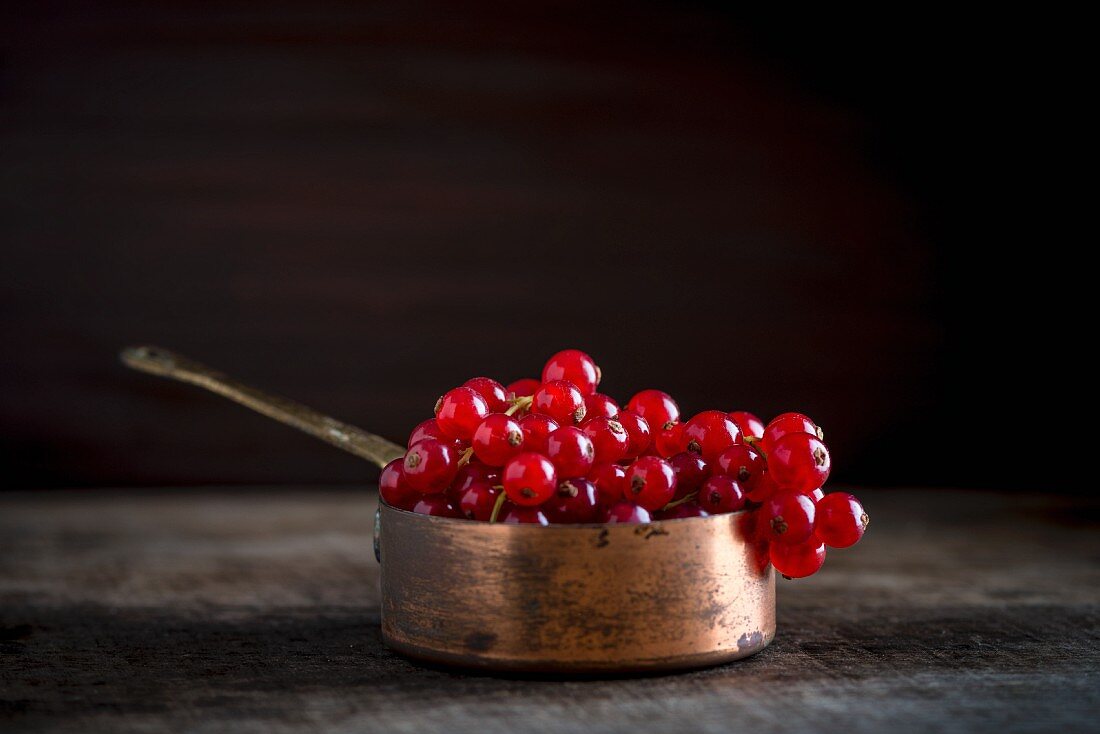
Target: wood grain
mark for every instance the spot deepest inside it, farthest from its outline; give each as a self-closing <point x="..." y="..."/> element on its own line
<point x="259" y="611"/>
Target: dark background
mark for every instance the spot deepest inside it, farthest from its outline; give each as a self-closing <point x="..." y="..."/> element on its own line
<point x="359" y="206"/>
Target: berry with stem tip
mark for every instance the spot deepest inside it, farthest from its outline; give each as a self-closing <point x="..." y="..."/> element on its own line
<point x="637" y="431"/>
<point x="691" y="472"/>
<point x="561" y="400"/>
<point x="669" y="440"/>
<point x="574" y="501"/>
<point x="571" y="451"/>
<point x="430" y="466"/>
<point x="597" y="404"/>
<point x="650" y="482"/>
<point x="609" y="438"/>
<point x="710" y="433"/>
<point x="496" y="397"/>
<point x="721" y="494"/>
<point x="799" y="560"/>
<point x="477" y="500"/>
<point x="392" y="487"/>
<point x="749" y="424"/>
<point x="497" y="439"/>
<point x="625" y="513"/>
<point x="610" y="481"/>
<point x="529" y="479"/>
<point x="576" y="367"/>
<point x="460" y="411"/>
<point x="436" y="505"/>
<point x="799" y="461"/>
<point x="788" y="518"/>
<point x="658" y="408"/>
<point x="841" y="520"/>
<point x="523" y="388"/>
<point x="744" y="463"/>
<point x="787" y="423"/>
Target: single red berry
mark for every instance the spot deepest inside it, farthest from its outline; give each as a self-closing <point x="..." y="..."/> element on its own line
<point x="691" y="472"/>
<point x="841" y="520"/>
<point x="523" y="388"/>
<point x="764" y="488"/>
<point x="511" y="514"/>
<point x="497" y="439"/>
<point x="799" y="461"/>
<point x="435" y="505"/>
<point x="597" y="404"/>
<point x="786" y="423"/>
<point x="610" y="481"/>
<point x="669" y="440"/>
<point x="392" y="487"/>
<point x="744" y="463"/>
<point x="496" y="397"/>
<point x="625" y="513"/>
<point x="430" y="466"/>
<point x="536" y="431"/>
<point x="474" y="472"/>
<point x="430" y="429"/>
<point x="459" y="412"/>
<point x="789" y="517"/>
<point x="571" y="451"/>
<point x="561" y="400"/>
<point x="574" y="501"/>
<point x="710" y="433"/>
<point x="721" y="494"/>
<point x="658" y="408"/>
<point x="749" y="424"/>
<point x="609" y="438"/>
<point x="688" y="509"/>
<point x="575" y="366"/>
<point x="477" y="501"/>
<point x="650" y="482"/>
<point x="529" y="479"/>
<point x="637" y="430"/>
<point x="799" y="560"/>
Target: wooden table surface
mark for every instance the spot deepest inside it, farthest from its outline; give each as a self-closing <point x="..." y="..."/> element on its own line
<point x="257" y="610"/>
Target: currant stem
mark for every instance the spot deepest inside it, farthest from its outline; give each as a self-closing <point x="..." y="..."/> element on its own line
<point x="497" y="505"/>
<point x="683" y="500"/>
<point x="758" y="446"/>
<point x="466" y="456"/>
<point x="520" y="404"/>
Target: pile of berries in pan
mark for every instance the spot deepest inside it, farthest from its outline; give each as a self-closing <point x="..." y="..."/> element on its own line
<point x="556" y="451"/>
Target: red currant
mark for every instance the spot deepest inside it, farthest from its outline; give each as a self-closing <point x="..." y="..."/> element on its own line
<point x="392" y="487"/>
<point x="788" y="517"/>
<point x="688" y="509"/>
<point x="494" y="393"/>
<point x="536" y="431"/>
<point x="511" y="514"/>
<point x="609" y="438"/>
<point x="799" y="461"/>
<point x="571" y="451"/>
<point x="477" y="500"/>
<point x="744" y="463"/>
<point x="721" y="494"/>
<point x="841" y="520"/>
<point x="523" y="388"/>
<point x="497" y="439"/>
<point x="800" y="560"/>
<point x="459" y="412"/>
<point x="575" y="366"/>
<point x="658" y="408"/>
<point x="474" y="472"/>
<point x="786" y="423"/>
<point x="574" y="501"/>
<point x="764" y="488"/>
<point x="430" y="429"/>
<point x="709" y="433"/>
<point x="691" y="472"/>
<point x="597" y="404"/>
<point x="637" y="430"/>
<point x="430" y="466"/>
<point x="625" y="513"/>
<point x="817" y="495"/>
<point x="749" y="424"/>
<point x="436" y="505"/>
<point x="561" y="400"/>
<point x="529" y="479"/>
<point x="650" y="482"/>
<point x="610" y="481"/>
<point x="669" y="440"/>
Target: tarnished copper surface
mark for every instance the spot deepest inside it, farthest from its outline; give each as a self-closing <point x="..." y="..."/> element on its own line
<point x="671" y="594"/>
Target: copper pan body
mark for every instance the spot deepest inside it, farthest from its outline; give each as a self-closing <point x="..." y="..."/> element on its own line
<point x="668" y="595"/>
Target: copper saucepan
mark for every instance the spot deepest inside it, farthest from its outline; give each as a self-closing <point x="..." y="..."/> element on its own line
<point x="565" y="598"/>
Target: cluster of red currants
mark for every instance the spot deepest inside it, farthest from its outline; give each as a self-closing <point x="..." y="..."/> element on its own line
<point x="557" y="451"/>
